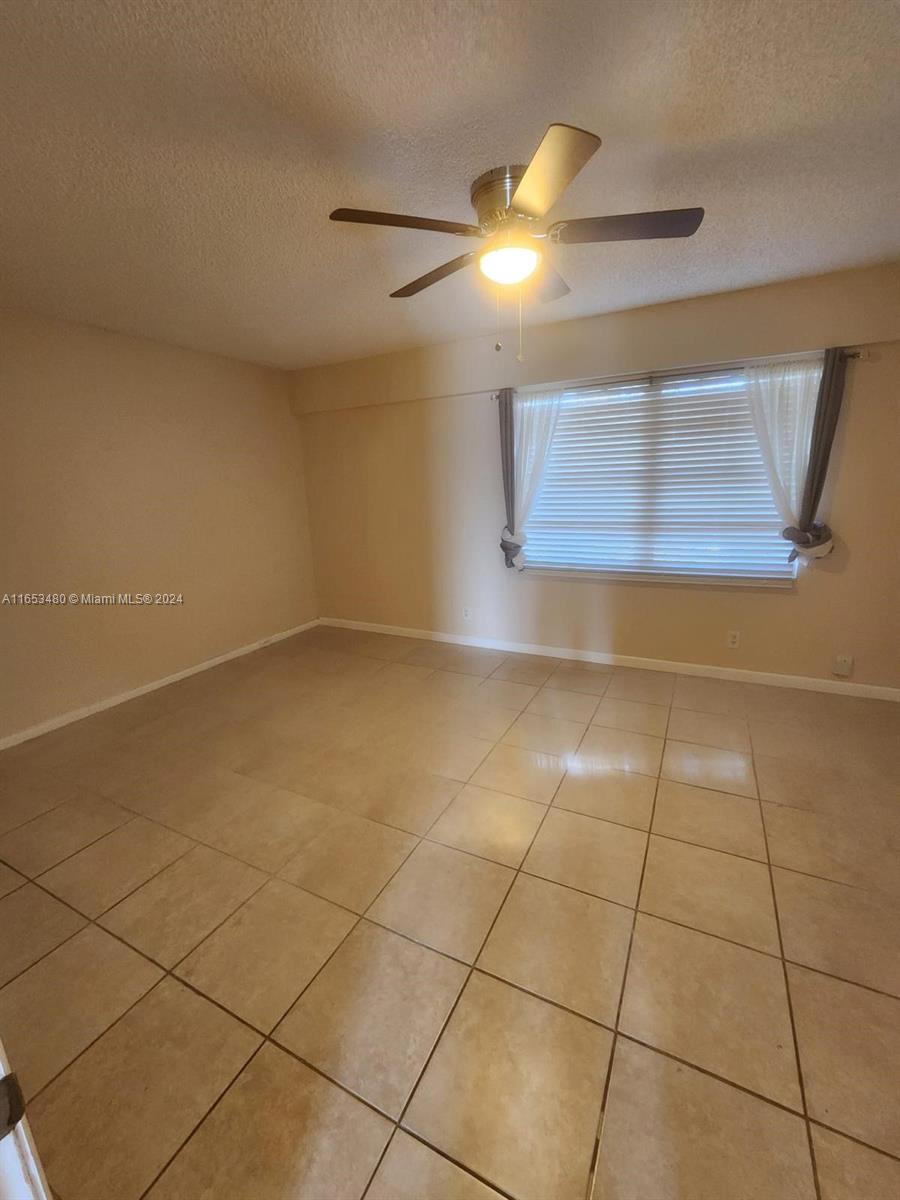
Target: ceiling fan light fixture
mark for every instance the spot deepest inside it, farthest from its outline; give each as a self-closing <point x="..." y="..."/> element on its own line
<point x="509" y="264"/>
<point x="510" y="205"/>
<point x="509" y="258"/>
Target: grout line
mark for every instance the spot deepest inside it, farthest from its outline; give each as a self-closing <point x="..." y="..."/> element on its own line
<point x="604" y="1100"/>
<point x="381" y="1157"/>
<point x="124" y="1013"/>
<point x="686" y="1062"/>
<point x="23" y="880"/>
<point x="670" y="837"/>
<point x="520" y="987"/>
<point x="60" y="943"/>
<point x="852" y="1138"/>
<point x="85" y="918"/>
<point x="167" y="972"/>
<point x="359" y="918"/>
<point x="570" y="887"/>
<point x="719" y="937"/>
<point x="332" y="804"/>
<point x="75" y="794"/>
<point x="218" y="1100"/>
<point x="95" y="918"/>
<point x="178" y="857"/>
<point x="463" y="989"/>
<point x="310" y="1065"/>
<point x="456" y="1163"/>
<point x="130" y="816"/>
<point x="787" y="993"/>
<point x="408" y="937"/>
<point x="267" y="879"/>
<point x="268" y="1037"/>
<point x="866" y="987"/>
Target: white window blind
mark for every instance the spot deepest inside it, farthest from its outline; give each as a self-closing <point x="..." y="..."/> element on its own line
<point x="660" y="477"/>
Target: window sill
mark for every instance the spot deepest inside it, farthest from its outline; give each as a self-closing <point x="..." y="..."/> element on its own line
<point x="648" y="577"/>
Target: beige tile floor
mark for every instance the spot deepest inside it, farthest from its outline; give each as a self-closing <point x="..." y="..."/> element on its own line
<point x="365" y="916"/>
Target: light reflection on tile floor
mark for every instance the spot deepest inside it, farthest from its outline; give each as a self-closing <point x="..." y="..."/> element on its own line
<point x="205" y="896"/>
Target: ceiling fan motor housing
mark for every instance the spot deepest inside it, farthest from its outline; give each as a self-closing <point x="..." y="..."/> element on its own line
<point x="492" y="195"/>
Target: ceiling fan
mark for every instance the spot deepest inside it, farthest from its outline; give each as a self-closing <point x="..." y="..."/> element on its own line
<point x="511" y="202"/>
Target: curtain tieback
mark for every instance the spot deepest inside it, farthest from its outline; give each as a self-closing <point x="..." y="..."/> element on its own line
<point x="511" y="544"/>
<point x="815" y="542"/>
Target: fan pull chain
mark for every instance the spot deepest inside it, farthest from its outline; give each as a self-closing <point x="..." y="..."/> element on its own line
<point x="498" y="344"/>
<point x="520" y="357"/>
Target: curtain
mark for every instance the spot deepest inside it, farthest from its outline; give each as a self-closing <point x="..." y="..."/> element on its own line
<point x="527" y="425"/>
<point x="828" y="409"/>
<point x="795" y="406"/>
<point x="507" y="467"/>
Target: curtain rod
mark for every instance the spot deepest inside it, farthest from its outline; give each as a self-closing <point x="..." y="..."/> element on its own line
<point x="573" y="385"/>
<point x="493" y="392"/>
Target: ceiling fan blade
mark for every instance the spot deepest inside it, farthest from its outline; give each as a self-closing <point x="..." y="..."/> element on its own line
<point x="439" y="273"/>
<point x="550" y="284"/>
<point x="628" y="227"/>
<point x="362" y="216"/>
<point x="562" y="153"/>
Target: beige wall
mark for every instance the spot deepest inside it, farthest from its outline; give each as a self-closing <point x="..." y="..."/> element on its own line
<point x="843" y="308"/>
<point x="126" y="465"/>
<point x="406" y="502"/>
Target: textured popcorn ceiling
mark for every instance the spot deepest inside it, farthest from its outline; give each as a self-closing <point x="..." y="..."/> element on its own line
<point x="168" y="166"/>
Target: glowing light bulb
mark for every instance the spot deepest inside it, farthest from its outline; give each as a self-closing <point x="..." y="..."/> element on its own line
<point x="509" y="264"/>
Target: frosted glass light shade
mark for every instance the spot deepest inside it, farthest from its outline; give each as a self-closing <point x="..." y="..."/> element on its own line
<point x="509" y="264"/>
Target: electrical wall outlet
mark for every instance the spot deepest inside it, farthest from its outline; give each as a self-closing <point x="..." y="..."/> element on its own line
<point x="842" y="665"/>
<point x="733" y="639"/>
<point x="467" y="613"/>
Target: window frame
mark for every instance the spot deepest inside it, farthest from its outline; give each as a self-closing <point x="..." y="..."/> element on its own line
<point x="601" y="574"/>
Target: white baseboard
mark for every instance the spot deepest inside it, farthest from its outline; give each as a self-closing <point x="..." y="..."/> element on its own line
<point x="807" y="683"/>
<point x="24" y="735"/>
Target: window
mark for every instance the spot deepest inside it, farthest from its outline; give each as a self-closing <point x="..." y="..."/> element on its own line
<point x="660" y="477"/>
